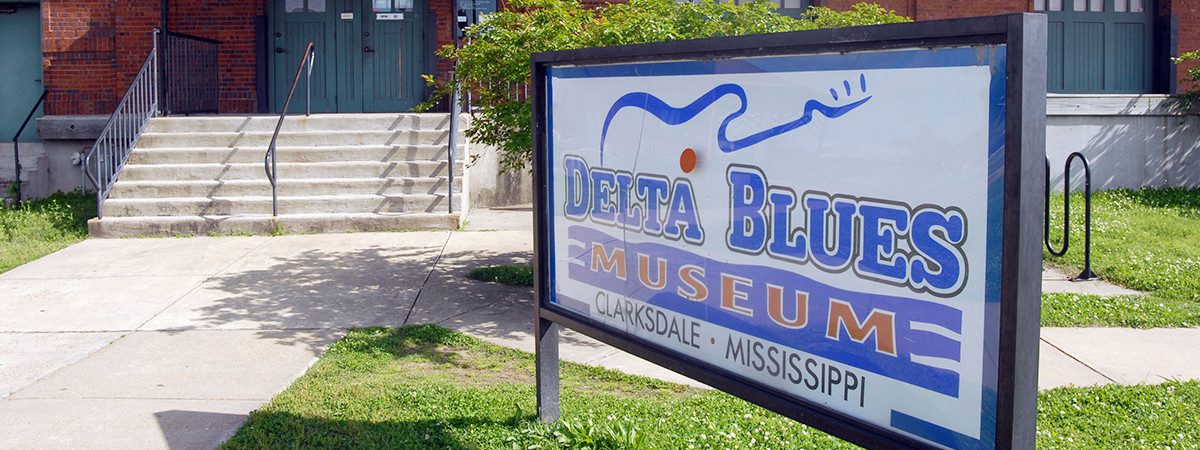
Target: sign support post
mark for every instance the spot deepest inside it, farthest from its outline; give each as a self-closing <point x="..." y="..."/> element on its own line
<point x="546" y="361"/>
<point x="1021" y="320"/>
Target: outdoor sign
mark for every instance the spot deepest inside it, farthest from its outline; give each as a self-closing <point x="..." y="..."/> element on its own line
<point x="824" y="231"/>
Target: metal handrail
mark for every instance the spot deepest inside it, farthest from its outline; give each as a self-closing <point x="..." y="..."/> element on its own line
<point x="190" y="76"/>
<point x="452" y="144"/>
<point x="123" y="129"/>
<point x="17" y="146"/>
<point x="1087" y="274"/>
<point x="310" y="54"/>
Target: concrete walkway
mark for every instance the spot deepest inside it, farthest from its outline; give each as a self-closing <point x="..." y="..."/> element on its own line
<point x="169" y="343"/>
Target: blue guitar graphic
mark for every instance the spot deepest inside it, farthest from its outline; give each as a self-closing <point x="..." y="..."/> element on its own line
<point x="674" y="116"/>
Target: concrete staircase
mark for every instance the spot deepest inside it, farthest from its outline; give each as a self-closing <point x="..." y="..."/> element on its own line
<point x="337" y="173"/>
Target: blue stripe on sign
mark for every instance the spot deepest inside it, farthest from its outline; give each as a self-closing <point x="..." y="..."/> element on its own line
<point x="810" y="338"/>
<point x="936" y="433"/>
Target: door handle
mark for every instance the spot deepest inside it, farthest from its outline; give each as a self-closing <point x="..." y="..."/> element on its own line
<point x="278" y="49"/>
<point x="368" y="50"/>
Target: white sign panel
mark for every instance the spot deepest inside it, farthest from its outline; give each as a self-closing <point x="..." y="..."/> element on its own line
<point x="826" y="226"/>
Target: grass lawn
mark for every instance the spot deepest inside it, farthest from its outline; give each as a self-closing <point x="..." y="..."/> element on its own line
<point x="41" y="227"/>
<point x="427" y="387"/>
<point x="1147" y="239"/>
<point x="510" y="275"/>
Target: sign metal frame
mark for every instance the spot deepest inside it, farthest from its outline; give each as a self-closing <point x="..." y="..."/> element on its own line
<point x="1023" y="35"/>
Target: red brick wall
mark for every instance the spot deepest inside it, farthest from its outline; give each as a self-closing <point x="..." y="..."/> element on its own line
<point x="93" y="49"/>
<point x="232" y="23"/>
<point x="1188" y="13"/>
<point x="78" y="39"/>
<point x="446" y="26"/>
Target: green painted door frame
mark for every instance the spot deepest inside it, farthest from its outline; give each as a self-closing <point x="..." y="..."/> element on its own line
<point x="21" y="52"/>
<point x="1103" y="50"/>
<point x="370" y="53"/>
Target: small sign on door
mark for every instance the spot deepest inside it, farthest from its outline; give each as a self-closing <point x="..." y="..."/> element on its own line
<point x="389" y="16"/>
<point x="347" y="16"/>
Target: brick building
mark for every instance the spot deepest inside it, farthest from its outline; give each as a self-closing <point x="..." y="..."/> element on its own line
<point x="371" y="55"/>
<point x="91" y="49"/>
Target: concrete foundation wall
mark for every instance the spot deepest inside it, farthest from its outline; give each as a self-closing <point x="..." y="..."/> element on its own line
<point x="1130" y="141"/>
<point x="489" y="187"/>
<point x="64" y="139"/>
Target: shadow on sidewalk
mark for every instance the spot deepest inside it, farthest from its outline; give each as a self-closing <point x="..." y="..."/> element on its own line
<point x="317" y="290"/>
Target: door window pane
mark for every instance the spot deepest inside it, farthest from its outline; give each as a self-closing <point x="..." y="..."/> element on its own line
<point x="1056" y="5"/>
<point x="294" y="6"/>
<point x="1039" y="5"/>
<point x="1089" y="5"/>
<point x="1136" y="6"/>
<point x="316" y="5"/>
<point x="382" y="5"/>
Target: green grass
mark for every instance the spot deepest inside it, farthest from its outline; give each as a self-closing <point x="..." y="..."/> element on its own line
<point x="1146" y="239"/>
<point x="42" y="227"/>
<point x="510" y="275"/>
<point x="428" y="387"/>
<point x="1157" y="417"/>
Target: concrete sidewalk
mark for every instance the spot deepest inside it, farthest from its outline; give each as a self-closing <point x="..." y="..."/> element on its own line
<point x="170" y="343"/>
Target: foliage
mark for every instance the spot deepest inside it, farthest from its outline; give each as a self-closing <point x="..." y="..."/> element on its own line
<point x="1145" y="239"/>
<point x="495" y="60"/>
<point x="40" y="227"/>
<point x="1189" y="97"/>
<point x="510" y="275"/>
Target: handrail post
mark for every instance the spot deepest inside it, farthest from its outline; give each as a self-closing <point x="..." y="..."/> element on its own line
<point x="452" y="145"/>
<point x="17" y="168"/>
<point x="121" y="131"/>
<point x="308" y="83"/>
<point x="17" y="146"/>
<point x="269" y="161"/>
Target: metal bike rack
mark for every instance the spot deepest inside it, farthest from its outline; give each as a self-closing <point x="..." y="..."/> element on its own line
<point x="1087" y="274"/>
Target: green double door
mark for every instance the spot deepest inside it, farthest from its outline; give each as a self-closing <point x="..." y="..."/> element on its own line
<point x="370" y="54"/>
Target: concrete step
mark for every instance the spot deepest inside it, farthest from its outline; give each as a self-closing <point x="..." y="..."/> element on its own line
<point x="323" y="204"/>
<point x="225" y="155"/>
<point x="297" y="139"/>
<point x="255" y="171"/>
<point x="110" y="227"/>
<point x="287" y="187"/>
<point x="300" y="123"/>
<point x="337" y="172"/>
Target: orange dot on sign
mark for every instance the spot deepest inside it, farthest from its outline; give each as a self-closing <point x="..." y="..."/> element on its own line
<point x="713" y="340"/>
<point x="687" y="161"/>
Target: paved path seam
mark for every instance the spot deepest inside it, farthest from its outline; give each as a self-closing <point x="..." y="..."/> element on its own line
<point x="432" y="268"/>
<point x="1080" y="361"/>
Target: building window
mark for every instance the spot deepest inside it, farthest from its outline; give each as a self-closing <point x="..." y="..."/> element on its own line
<point x="299" y="6"/>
